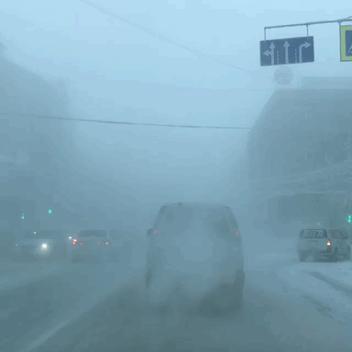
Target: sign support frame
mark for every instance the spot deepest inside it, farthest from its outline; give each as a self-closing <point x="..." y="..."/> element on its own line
<point x="307" y="24"/>
<point x="342" y="34"/>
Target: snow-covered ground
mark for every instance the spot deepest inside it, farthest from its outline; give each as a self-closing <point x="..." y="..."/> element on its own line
<point x="14" y="274"/>
<point x="327" y="285"/>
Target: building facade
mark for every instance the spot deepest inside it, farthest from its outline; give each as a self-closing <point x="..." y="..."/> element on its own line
<point x="299" y="156"/>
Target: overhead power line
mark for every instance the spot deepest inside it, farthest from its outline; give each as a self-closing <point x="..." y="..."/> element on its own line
<point x="126" y="123"/>
<point x="162" y="37"/>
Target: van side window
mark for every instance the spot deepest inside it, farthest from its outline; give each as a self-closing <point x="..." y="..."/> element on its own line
<point x="338" y="234"/>
<point x="344" y="235"/>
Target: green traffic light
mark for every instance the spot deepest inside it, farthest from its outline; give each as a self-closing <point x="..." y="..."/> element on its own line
<point x="50" y="211"/>
<point x="22" y="216"/>
<point x="349" y="219"/>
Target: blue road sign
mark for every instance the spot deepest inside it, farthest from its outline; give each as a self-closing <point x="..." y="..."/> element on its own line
<point x="287" y="51"/>
<point x="346" y="43"/>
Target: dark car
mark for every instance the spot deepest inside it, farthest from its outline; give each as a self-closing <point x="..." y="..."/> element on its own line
<point x="91" y="244"/>
<point x="195" y="250"/>
<point x="41" y="244"/>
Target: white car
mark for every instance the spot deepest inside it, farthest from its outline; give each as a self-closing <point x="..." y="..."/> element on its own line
<point x="321" y="243"/>
<point x="195" y="250"/>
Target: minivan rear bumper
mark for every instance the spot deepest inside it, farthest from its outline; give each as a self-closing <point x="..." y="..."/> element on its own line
<point x="327" y="253"/>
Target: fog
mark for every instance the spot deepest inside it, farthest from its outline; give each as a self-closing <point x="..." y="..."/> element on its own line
<point x="113" y="70"/>
<point x="112" y="109"/>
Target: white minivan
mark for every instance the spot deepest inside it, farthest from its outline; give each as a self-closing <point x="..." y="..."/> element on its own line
<point x="321" y="243"/>
<point x="196" y="250"/>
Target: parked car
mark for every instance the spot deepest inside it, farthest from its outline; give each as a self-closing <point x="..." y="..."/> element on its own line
<point x="196" y="245"/>
<point x="322" y="243"/>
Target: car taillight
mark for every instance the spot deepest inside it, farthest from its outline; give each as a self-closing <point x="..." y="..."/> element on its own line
<point x="75" y="242"/>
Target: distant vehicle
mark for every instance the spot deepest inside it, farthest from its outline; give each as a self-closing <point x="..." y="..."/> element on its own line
<point x="91" y="244"/>
<point x="321" y="243"/>
<point x="196" y="246"/>
<point x="41" y="244"/>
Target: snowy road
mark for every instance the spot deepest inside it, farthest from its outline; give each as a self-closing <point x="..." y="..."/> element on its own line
<point x="288" y="306"/>
<point x="14" y="274"/>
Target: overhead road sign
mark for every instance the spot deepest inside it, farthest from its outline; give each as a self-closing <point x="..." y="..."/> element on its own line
<point x="346" y="43"/>
<point x="279" y="52"/>
<point x="287" y="51"/>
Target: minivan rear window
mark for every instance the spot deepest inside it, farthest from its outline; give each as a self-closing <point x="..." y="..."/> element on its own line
<point x="174" y="219"/>
<point x="185" y="218"/>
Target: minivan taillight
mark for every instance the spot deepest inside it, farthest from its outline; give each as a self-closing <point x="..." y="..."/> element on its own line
<point x="75" y="242"/>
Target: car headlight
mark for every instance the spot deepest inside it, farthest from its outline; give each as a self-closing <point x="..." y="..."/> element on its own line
<point x="44" y="246"/>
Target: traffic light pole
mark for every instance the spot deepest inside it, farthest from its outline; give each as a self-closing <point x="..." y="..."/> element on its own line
<point x="307" y="24"/>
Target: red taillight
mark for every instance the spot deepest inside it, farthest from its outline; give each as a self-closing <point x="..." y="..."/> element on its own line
<point x="75" y="242"/>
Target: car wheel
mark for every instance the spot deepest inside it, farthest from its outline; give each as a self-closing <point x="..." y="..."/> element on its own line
<point x="230" y="299"/>
<point x="238" y="298"/>
<point x="239" y="287"/>
<point x="147" y="278"/>
<point x="335" y="256"/>
<point x="302" y="256"/>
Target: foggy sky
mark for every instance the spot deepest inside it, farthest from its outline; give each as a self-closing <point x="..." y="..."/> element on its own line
<point x="77" y="40"/>
<point x="96" y="57"/>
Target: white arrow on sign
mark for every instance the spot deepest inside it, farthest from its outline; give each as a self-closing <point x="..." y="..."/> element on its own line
<point x="349" y="52"/>
<point x="286" y="46"/>
<point x="305" y="45"/>
<point x="271" y="53"/>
